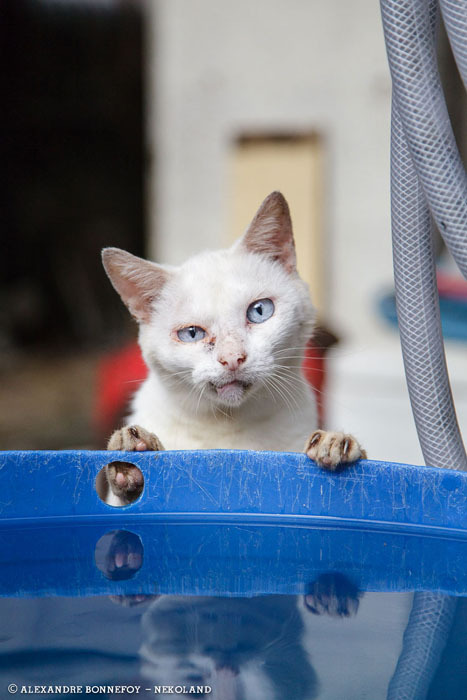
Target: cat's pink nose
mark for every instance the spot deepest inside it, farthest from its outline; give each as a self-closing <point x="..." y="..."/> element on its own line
<point x="232" y="360"/>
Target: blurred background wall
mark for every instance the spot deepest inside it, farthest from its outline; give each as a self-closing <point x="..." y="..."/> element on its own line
<point x="159" y="126"/>
<point x="225" y="71"/>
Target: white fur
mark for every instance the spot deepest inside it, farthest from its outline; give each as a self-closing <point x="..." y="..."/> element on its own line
<point x="178" y="402"/>
<point x="249" y="680"/>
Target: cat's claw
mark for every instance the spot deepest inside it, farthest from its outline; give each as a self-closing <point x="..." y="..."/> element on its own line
<point x="133" y="438"/>
<point x="126" y="480"/>
<point x="333" y="450"/>
<point x="332" y="594"/>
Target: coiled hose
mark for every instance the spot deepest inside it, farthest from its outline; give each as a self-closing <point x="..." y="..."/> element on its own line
<point x="426" y="175"/>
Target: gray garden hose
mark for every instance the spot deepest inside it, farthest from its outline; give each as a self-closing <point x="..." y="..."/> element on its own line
<point x="424" y="640"/>
<point x="422" y="151"/>
<point x="418" y="312"/>
<point x="426" y="173"/>
<point x="408" y="28"/>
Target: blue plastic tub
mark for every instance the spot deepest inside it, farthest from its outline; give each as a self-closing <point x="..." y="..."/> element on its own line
<point x="260" y="559"/>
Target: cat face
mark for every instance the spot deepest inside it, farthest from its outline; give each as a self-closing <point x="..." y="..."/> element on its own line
<point x="225" y="325"/>
<point x="220" y="324"/>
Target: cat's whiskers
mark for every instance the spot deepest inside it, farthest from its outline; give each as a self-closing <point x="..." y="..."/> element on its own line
<point x="281" y="390"/>
<point x="215" y="408"/>
<point x="175" y="379"/>
<point x="292" y="347"/>
<point x="294" y="369"/>
<point x="221" y="411"/>
<point x="268" y="383"/>
<point x="300" y="357"/>
<point x="299" y="350"/>
<point x="134" y="381"/>
<point x="293" y="384"/>
<point x="286" y="387"/>
<point x="334" y="351"/>
<point x="308" y="357"/>
<point x="200" y="397"/>
<point x="302" y="381"/>
<point x="264" y="383"/>
<point x="285" y="380"/>
<point x="182" y="372"/>
<point x="172" y="380"/>
<point x="278" y="644"/>
<point x="300" y="368"/>
<point x="188" y="397"/>
<point x="176" y="383"/>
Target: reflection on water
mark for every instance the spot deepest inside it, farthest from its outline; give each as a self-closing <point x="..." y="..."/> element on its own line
<point x="233" y="612"/>
<point x="240" y="647"/>
<point x="425" y="637"/>
<point x="331" y="646"/>
<point x="119" y="555"/>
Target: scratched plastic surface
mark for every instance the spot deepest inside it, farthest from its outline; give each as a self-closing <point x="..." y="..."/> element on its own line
<point x="59" y="486"/>
<point x="376" y="512"/>
<point x="203" y="581"/>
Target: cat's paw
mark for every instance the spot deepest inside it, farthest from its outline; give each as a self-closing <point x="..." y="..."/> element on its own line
<point x="332" y="594"/>
<point x="332" y="450"/>
<point x="126" y="480"/>
<point x="133" y="438"/>
<point x="119" y="555"/>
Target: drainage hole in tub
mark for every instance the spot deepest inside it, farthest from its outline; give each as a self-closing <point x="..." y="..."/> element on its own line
<point x="127" y="480"/>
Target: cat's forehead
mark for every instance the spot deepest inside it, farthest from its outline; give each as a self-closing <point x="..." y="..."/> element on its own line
<point x="223" y="278"/>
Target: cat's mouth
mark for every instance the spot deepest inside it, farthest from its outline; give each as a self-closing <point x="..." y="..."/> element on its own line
<point x="231" y="392"/>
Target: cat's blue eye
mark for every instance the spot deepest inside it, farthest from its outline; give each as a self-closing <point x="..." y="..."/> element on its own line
<point x="259" y="311"/>
<point x="191" y="334"/>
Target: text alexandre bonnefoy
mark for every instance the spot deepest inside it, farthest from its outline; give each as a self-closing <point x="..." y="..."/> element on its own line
<point x="104" y="689"/>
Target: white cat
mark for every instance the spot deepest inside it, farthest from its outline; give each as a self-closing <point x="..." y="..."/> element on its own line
<point x="223" y="336"/>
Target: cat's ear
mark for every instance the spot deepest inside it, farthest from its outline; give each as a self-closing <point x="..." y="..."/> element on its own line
<point x="139" y="282"/>
<point x="270" y="232"/>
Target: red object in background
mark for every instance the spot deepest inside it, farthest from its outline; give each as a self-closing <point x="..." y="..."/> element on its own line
<point x="314" y="369"/>
<point x="120" y="374"/>
<point x="451" y="287"/>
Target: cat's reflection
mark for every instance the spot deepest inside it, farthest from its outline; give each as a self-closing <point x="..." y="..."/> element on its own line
<point x="234" y="648"/>
<point x="241" y="648"/>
